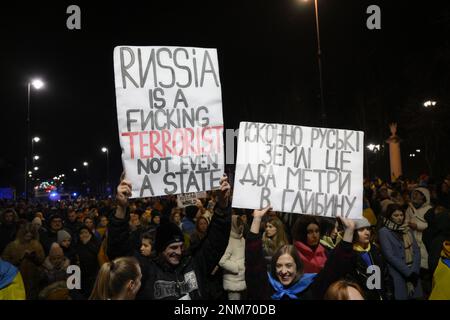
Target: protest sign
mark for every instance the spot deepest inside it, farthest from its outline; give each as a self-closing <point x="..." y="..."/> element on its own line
<point x="315" y="171"/>
<point x="169" y="111"/>
<point x="187" y="199"/>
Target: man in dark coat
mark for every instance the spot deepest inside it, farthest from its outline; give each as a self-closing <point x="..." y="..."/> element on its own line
<point x="173" y="274"/>
<point x="8" y="228"/>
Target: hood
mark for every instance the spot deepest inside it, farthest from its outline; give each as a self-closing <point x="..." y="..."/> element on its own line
<point x="49" y="266"/>
<point x="426" y="193"/>
<point x="236" y="228"/>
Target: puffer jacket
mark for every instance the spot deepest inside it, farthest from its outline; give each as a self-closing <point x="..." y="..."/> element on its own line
<point x="418" y="216"/>
<point x="233" y="262"/>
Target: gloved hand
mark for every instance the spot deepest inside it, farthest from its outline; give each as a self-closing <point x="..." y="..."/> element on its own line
<point x="413" y="278"/>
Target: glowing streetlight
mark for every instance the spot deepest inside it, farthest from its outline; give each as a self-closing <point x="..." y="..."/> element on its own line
<point x="37" y="84"/>
<point x="36" y="157"/>
<point x="418" y="150"/>
<point x="429" y="103"/>
<point x="36" y="168"/>
<point x="373" y="147"/>
<point x="74" y="169"/>
<point x="105" y="150"/>
<point x="85" y="164"/>
<point x="36" y="139"/>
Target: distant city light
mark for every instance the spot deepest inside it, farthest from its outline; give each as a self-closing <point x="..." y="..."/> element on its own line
<point x="373" y="147"/>
<point x="429" y="103"/>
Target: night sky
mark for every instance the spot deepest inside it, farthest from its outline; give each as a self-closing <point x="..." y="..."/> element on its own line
<point x="268" y="70"/>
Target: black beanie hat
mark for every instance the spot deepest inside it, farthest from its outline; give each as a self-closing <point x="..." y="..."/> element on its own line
<point x="167" y="234"/>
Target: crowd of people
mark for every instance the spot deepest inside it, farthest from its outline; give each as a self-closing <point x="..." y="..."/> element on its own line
<point x="156" y="248"/>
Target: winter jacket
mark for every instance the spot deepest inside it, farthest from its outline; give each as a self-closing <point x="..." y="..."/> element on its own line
<point x="438" y="230"/>
<point x="338" y="264"/>
<point x="28" y="264"/>
<point x="7" y="235"/>
<point x="393" y="250"/>
<point x="360" y="275"/>
<point x="87" y="257"/>
<point x="418" y="216"/>
<point x="51" y="274"/>
<point x="233" y="263"/>
<point x="313" y="260"/>
<point x="187" y="280"/>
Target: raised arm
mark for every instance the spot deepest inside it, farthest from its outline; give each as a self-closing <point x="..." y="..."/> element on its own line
<point x="338" y="264"/>
<point x="119" y="243"/>
<point x="255" y="265"/>
<point x="213" y="246"/>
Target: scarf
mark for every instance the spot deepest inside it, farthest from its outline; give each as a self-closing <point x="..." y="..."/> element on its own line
<point x="402" y="230"/>
<point x="291" y="292"/>
<point x="358" y="248"/>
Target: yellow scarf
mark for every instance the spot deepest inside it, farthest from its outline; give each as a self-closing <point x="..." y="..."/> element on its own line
<point x="445" y="253"/>
<point x="357" y="247"/>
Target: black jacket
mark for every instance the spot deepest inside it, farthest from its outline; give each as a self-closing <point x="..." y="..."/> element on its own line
<point x="360" y="275"/>
<point x="87" y="257"/>
<point x="7" y="235"/>
<point x="161" y="280"/>
<point x="338" y="264"/>
<point x="434" y="236"/>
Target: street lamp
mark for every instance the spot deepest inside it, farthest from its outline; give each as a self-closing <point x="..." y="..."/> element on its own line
<point x="36" y="157"/>
<point x="74" y="169"/>
<point x="319" y="59"/>
<point x="105" y="150"/>
<point x="36" y="84"/>
<point x="86" y="165"/>
<point x="373" y="147"/>
<point x="429" y="103"/>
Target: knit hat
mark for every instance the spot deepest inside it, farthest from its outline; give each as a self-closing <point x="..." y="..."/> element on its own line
<point x="167" y="234"/>
<point x="362" y="223"/>
<point x="63" y="235"/>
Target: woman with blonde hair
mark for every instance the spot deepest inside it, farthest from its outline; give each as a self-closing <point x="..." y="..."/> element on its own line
<point x="273" y="238"/>
<point x="119" y="279"/>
